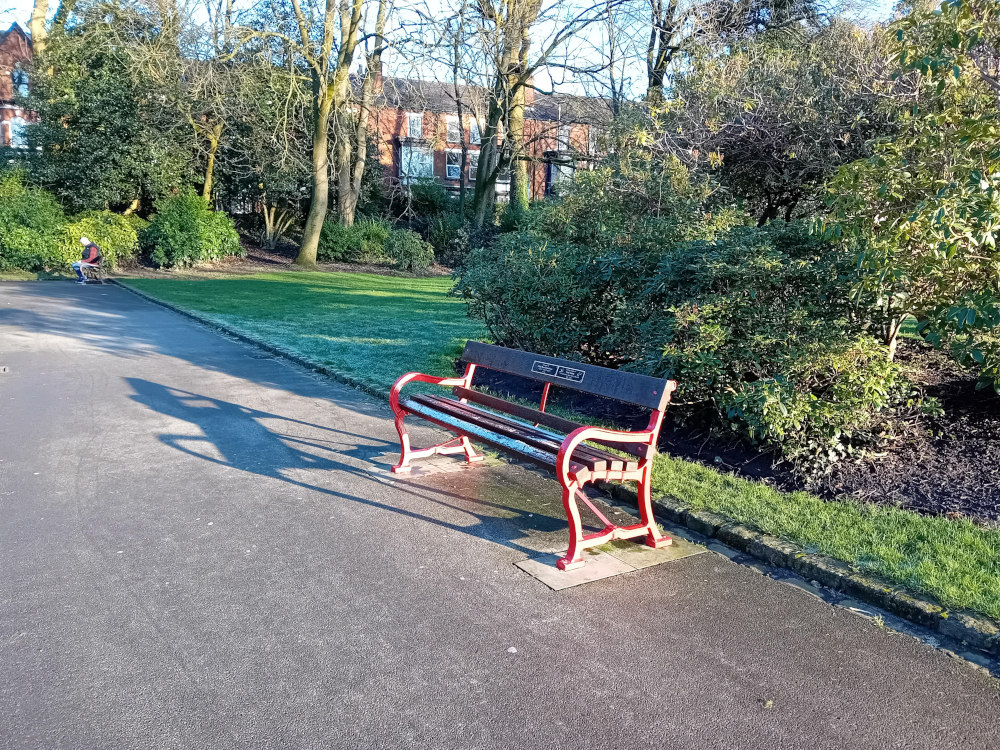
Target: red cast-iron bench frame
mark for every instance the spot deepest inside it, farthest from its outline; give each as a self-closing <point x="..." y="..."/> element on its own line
<point x="569" y="448"/>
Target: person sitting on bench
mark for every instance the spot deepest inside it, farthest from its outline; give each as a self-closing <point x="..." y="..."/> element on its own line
<point x="90" y="258"/>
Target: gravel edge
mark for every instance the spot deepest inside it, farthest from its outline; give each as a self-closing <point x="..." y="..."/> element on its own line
<point x="970" y="629"/>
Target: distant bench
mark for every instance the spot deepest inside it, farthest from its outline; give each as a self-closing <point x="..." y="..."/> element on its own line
<point x="96" y="270"/>
<point x="550" y="441"/>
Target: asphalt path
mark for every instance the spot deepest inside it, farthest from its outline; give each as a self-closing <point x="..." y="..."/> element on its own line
<point x="200" y="548"/>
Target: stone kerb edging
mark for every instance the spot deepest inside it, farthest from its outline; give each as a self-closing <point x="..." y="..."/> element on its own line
<point x="971" y="629"/>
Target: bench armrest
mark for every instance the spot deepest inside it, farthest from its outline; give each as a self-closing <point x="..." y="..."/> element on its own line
<point x="419" y="377"/>
<point x="575" y="438"/>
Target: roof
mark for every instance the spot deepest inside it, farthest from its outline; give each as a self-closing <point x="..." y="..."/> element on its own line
<point x="437" y="96"/>
<point x="15" y="27"/>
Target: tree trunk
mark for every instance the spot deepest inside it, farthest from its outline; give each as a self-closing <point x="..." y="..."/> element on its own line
<point x="347" y="199"/>
<point x="214" y="137"/>
<point x="320" y="178"/>
<point x="37" y="26"/>
<point x="519" y="194"/>
<point x="491" y="158"/>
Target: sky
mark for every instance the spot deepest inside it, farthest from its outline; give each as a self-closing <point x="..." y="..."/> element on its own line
<point x="20" y="11"/>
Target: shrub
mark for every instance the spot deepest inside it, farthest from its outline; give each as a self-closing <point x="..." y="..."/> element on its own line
<point x="116" y="235"/>
<point x="409" y="251"/>
<point x="758" y="325"/>
<point x="30" y="222"/>
<point x="364" y="242"/>
<point x="449" y="238"/>
<point x="755" y="324"/>
<point x="185" y="231"/>
<point x="428" y="198"/>
<point x="372" y="237"/>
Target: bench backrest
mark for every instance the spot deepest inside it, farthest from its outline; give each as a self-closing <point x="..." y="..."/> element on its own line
<point x="629" y="387"/>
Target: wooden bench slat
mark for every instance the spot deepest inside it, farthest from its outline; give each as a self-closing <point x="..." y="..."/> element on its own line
<point x="594" y="458"/>
<point x="541" y="417"/>
<point x="601" y="459"/>
<point x="518" y="410"/>
<point x="460" y="426"/>
<point x="630" y="387"/>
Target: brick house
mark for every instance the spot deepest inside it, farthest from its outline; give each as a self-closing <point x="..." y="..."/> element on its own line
<point x="418" y="133"/>
<point x="15" y="61"/>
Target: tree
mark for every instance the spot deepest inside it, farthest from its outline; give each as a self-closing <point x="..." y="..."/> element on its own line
<point x="324" y="38"/>
<point x="505" y="29"/>
<point x="193" y="70"/>
<point x="778" y="116"/>
<point x="100" y="141"/>
<point x="265" y="158"/>
<point x="39" y="26"/>
<point x="923" y="212"/>
<point x="675" y="26"/>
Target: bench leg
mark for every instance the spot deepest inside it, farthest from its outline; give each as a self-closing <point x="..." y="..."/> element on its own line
<point x="653" y="536"/>
<point x="460" y="444"/>
<point x="404" y="446"/>
<point x="574" y="554"/>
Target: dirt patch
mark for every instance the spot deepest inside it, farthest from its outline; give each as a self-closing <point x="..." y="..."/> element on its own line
<point x="949" y="465"/>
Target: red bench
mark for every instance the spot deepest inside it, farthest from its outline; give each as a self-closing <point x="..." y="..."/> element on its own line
<point x="571" y="449"/>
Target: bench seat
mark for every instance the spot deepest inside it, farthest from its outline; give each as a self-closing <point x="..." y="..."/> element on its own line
<point x="534" y="443"/>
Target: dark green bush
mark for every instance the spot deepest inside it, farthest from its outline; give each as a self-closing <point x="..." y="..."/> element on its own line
<point x="185" y="231"/>
<point x="758" y="324"/>
<point x="409" y="250"/>
<point x="449" y="237"/>
<point x="363" y="242"/>
<point x="30" y="224"/>
<point x="755" y="324"/>
<point x="428" y="198"/>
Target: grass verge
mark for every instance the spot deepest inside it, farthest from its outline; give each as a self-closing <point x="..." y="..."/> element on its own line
<point x="370" y="327"/>
<point x="377" y="327"/>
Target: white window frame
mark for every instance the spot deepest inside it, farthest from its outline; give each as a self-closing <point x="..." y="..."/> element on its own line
<point x="415" y="119"/>
<point x="473" y="165"/>
<point x="16" y="132"/>
<point x="475" y="136"/>
<point x="415" y="169"/>
<point x="565" y="135"/>
<point x="593" y="140"/>
<point x="453" y="133"/>
<point x="20" y="81"/>
<point x="449" y="154"/>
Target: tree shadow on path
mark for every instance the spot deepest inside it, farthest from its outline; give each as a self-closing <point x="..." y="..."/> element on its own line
<point x="238" y="437"/>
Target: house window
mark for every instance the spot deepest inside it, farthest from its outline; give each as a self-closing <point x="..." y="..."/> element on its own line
<point x="474" y="136"/>
<point x="559" y="173"/>
<point x="415" y="162"/>
<point x="453" y="164"/>
<point x="593" y="140"/>
<point x="18" y="133"/>
<point x="473" y="165"/>
<point x="454" y="134"/>
<point x="564" y="135"/>
<point x="19" y="78"/>
<point x="414" y="124"/>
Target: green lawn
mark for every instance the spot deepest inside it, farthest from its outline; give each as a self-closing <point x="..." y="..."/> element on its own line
<point x="370" y="327"/>
<point x="377" y="327"/>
